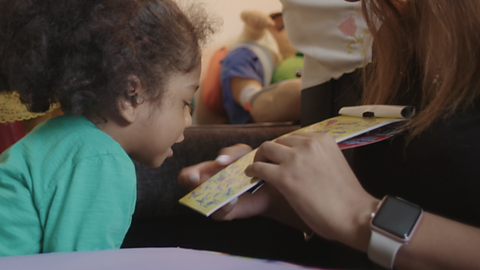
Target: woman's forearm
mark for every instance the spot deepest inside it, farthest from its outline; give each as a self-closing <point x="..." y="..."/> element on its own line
<point x="440" y="243"/>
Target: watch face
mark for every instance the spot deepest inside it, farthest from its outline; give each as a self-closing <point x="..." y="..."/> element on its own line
<point x="397" y="217"/>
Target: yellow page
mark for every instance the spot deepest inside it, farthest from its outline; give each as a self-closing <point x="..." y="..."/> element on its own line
<point x="231" y="182"/>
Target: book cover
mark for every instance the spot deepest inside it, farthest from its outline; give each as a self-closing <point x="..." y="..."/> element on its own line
<point x="231" y="182"/>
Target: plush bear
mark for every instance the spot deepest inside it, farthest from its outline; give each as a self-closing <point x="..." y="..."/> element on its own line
<point x="257" y="79"/>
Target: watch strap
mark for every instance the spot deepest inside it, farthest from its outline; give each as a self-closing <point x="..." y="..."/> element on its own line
<point x="382" y="249"/>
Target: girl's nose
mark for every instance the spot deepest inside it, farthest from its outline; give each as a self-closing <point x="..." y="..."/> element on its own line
<point x="188" y="118"/>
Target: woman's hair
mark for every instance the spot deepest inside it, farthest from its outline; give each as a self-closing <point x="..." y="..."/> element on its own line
<point x="82" y="53"/>
<point x="434" y="44"/>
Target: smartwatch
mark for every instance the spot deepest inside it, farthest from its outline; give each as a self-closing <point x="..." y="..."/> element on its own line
<point x="392" y="225"/>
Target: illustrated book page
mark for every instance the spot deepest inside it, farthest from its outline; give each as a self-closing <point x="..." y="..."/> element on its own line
<point x="231" y="182"/>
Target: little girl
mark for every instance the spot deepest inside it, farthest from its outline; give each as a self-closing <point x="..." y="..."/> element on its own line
<point x="124" y="72"/>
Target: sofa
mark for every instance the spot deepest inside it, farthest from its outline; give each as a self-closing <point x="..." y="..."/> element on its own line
<point x="160" y="221"/>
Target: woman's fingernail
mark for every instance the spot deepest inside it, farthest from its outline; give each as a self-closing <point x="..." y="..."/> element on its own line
<point x="223" y="159"/>
<point x="234" y="201"/>
<point x="194" y="177"/>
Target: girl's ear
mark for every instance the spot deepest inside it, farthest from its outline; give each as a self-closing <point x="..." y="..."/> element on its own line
<point x="128" y="110"/>
<point x="128" y="107"/>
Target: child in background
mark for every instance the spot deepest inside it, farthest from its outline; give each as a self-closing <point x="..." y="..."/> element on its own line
<point x="124" y="71"/>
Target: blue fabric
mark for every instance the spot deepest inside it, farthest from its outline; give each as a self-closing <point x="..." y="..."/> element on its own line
<point x="243" y="63"/>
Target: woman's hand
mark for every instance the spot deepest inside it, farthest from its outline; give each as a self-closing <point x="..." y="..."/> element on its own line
<point x="193" y="176"/>
<point x="310" y="171"/>
<point x="247" y="205"/>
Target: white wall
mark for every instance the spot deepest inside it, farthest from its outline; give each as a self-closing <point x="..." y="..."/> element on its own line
<point x="229" y="11"/>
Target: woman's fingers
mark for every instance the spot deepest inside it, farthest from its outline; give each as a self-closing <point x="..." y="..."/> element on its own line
<point x="194" y="175"/>
<point x="292" y="158"/>
<point x="245" y="206"/>
<point x="272" y="152"/>
<point x="263" y="170"/>
<point x="230" y="154"/>
<point x="224" y="212"/>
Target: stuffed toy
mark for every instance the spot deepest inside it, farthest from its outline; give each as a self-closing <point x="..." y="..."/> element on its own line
<point x="257" y="79"/>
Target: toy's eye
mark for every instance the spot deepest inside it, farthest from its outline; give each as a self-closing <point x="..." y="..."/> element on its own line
<point x="298" y="73"/>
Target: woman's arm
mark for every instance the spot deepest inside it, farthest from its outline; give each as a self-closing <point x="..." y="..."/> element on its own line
<point x="310" y="185"/>
<point x="440" y="243"/>
<point x="310" y="171"/>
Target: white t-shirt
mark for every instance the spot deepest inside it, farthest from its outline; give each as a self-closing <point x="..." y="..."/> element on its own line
<point x="332" y="35"/>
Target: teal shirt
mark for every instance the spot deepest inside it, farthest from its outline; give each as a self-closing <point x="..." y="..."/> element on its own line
<point x="66" y="186"/>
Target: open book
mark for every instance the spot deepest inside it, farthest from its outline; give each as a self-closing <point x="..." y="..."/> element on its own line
<point x="347" y="129"/>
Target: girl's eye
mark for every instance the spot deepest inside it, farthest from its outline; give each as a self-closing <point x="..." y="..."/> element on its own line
<point x="189" y="105"/>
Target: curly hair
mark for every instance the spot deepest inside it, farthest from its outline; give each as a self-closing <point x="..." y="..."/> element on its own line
<point x="81" y="52"/>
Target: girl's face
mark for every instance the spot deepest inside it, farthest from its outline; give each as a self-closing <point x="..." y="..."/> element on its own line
<point x="162" y="126"/>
